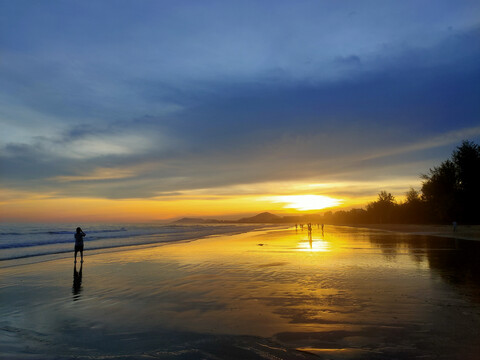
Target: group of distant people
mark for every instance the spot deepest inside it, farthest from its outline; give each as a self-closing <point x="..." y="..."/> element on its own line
<point x="309" y="227"/>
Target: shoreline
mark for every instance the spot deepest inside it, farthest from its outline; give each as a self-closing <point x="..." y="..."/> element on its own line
<point x="26" y="259"/>
<point x="275" y="292"/>
<point x="463" y="232"/>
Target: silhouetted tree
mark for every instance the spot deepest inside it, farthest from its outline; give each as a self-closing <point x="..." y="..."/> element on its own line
<point x="381" y="211"/>
<point x="440" y="189"/>
<point x="467" y="165"/>
<point x="412" y="196"/>
<point x="357" y="216"/>
<point x="413" y="209"/>
<point x="451" y="190"/>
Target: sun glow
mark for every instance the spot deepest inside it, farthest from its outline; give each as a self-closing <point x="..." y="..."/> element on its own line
<point x="307" y="202"/>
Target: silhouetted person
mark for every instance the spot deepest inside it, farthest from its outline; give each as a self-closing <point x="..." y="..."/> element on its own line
<point x="322" y="228"/>
<point x="296" y="227"/>
<point x="309" y="226"/>
<point x="454" y="226"/>
<point x="79" y="235"/>
<point x="77" y="281"/>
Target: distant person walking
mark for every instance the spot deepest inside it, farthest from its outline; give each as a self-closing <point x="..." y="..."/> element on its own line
<point x="454" y="226"/>
<point x="79" y="235"/>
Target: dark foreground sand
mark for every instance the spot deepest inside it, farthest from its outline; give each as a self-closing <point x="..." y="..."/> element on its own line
<point x="348" y="293"/>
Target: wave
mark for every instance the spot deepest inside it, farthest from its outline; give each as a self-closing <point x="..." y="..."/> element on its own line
<point x="37" y="238"/>
<point x="60" y="232"/>
<point x="90" y="248"/>
<point x="91" y="231"/>
<point x="28" y="242"/>
<point x="57" y="242"/>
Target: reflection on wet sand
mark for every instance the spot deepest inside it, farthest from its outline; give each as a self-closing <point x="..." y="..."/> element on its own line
<point x="313" y="244"/>
<point x="354" y="291"/>
<point x="346" y="293"/>
<point x="77" y="281"/>
<point x="456" y="261"/>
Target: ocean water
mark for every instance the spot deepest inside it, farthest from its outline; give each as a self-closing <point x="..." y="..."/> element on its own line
<point x="21" y="241"/>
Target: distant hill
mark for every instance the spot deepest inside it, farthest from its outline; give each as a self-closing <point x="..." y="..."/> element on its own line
<point x="264" y="217"/>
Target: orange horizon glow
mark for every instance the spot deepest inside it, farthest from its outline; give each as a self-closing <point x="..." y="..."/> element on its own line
<point x="232" y="202"/>
<point x="92" y="210"/>
<point x="307" y="202"/>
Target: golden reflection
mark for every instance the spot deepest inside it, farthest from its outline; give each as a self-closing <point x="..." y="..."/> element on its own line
<point x="265" y="282"/>
<point x="313" y="245"/>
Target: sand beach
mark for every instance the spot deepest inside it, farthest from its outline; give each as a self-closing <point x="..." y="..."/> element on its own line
<point x="465" y="232"/>
<point x="277" y="293"/>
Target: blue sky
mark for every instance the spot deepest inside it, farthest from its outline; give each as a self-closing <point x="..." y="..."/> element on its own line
<point x="144" y="99"/>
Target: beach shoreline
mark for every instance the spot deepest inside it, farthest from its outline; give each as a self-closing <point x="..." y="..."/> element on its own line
<point x="463" y="232"/>
<point x="15" y="255"/>
<point x="271" y="293"/>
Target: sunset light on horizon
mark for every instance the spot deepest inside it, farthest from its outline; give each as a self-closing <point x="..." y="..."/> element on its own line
<point x="158" y="110"/>
<point x="307" y="202"/>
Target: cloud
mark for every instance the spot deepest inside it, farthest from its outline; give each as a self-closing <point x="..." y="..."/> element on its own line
<point x="450" y="138"/>
<point x="221" y="102"/>
<point x="97" y="174"/>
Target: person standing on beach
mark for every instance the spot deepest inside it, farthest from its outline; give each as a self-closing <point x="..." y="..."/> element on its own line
<point x="79" y="235"/>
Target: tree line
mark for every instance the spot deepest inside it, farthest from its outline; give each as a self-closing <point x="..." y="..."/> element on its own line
<point x="450" y="192"/>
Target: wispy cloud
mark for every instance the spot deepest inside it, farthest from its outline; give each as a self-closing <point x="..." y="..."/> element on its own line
<point x="97" y="174"/>
<point x="449" y="138"/>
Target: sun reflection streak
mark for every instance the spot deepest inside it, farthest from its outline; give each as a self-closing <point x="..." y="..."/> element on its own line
<point x="314" y="245"/>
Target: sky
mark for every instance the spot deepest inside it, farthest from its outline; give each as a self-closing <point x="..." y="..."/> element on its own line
<point x="147" y="110"/>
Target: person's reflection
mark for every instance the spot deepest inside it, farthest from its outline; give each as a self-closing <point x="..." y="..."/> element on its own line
<point x="310" y="240"/>
<point x="77" y="281"/>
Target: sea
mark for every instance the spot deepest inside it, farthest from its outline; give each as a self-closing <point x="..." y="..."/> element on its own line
<point x="33" y="242"/>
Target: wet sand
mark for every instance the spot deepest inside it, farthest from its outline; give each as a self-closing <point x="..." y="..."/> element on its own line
<point x="465" y="232"/>
<point x="349" y="293"/>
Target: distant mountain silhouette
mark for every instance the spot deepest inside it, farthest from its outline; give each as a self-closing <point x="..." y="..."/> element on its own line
<point x="261" y="218"/>
<point x="264" y="217"/>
